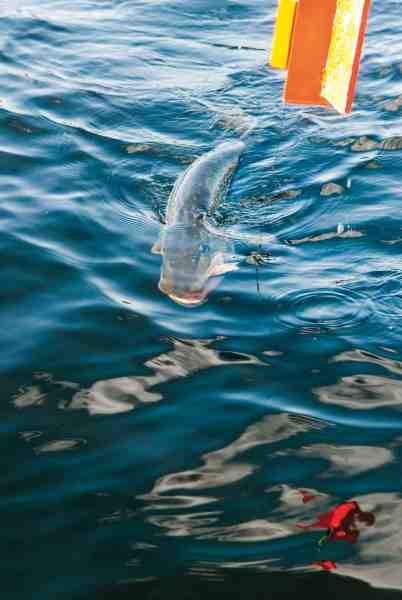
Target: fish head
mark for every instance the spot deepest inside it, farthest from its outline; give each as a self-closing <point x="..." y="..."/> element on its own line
<point x="191" y="256"/>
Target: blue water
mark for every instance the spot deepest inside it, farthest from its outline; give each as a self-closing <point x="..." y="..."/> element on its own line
<point x="141" y="440"/>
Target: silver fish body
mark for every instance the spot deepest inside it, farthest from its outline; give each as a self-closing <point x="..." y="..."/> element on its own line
<point x="193" y="252"/>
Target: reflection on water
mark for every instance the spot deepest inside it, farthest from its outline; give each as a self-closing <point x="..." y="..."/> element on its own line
<point x="379" y="557"/>
<point x="59" y="445"/>
<point x="339" y="233"/>
<point x="201" y="527"/>
<point x="197" y="492"/>
<point x="122" y="394"/>
<point x="350" y="460"/>
<point x="363" y="356"/>
<point x="362" y="392"/>
<point x="28" y="396"/>
<point x="222" y="468"/>
<point x="366" y="385"/>
<point x="217" y="470"/>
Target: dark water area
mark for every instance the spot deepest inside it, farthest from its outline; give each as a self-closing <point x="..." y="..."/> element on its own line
<point x="148" y="448"/>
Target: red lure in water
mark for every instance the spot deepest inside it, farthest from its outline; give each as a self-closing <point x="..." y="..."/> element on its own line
<point x="305" y="496"/>
<point x="328" y="565"/>
<point x="340" y="522"/>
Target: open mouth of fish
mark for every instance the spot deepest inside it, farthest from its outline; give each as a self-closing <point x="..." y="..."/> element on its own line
<point x="188" y="299"/>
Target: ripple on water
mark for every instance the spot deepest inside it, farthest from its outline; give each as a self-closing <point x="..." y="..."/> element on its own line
<point x="122" y="394"/>
<point x="60" y="445"/>
<point x="323" y="309"/>
<point x="185" y="454"/>
<point x="287" y="214"/>
<point x="130" y="192"/>
<point x="388" y="297"/>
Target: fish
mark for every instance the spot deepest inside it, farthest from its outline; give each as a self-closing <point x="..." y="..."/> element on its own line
<point x="193" y="250"/>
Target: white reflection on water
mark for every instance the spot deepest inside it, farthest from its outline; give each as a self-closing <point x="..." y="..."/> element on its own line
<point x="362" y="392"/>
<point x="380" y="548"/>
<point x="219" y="469"/>
<point x="28" y="396"/>
<point x="60" y="445"/>
<point x="122" y="394"/>
<point x="350" y="460"/>
<point x="201" y="527"/>
<point x="362" y="356"/>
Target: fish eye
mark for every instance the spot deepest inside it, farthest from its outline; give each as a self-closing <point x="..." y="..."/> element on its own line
<point x="204" y="247"/>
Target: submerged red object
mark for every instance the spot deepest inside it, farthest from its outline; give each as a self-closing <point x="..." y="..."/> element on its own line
<point x="306" y="497"/>
<point x="340" y="522"/>
<point x="328" y="565"/>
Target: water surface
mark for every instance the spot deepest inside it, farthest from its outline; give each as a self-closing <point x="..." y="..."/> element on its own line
<point x="143" y="442"/>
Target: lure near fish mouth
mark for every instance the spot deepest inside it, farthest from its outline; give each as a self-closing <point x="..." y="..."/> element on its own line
<point x="192" y="252"/>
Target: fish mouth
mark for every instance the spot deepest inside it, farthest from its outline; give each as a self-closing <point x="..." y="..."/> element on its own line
<point x="189" y="299"/>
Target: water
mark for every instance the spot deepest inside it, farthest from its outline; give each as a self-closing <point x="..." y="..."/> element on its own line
<point x="146" y="447"/>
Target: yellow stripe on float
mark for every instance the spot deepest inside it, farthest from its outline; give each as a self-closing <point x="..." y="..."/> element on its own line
<point x="339" y="68"/>
<point x="283" y="33"/>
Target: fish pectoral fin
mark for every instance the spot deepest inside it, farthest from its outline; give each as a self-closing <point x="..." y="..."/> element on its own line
<point x="156" y="248"/>
<point x="224" y="268"/>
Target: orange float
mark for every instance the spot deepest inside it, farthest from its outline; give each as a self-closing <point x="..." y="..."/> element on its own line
<point x="320" y="42"/>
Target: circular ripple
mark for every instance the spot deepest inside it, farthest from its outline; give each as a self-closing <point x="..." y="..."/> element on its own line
<point x="141" y="184"/>
<point x="289" y="215"/>
<point x="388" y="297"/>
<point x="136" y="197"/>
<point x="323" y="309"/>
